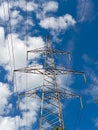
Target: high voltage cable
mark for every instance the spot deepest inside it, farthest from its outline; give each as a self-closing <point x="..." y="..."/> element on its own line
<point x="12" y="50"/>
<point x="10" y="58"/>
<point x="12" y="43"/>
<point x="81" y="111"/>
<point x="8" y="41"/>
<point x="78" y="121"/>
<point x="9" y="51"/>
<point x="10" y="26"/>
<point x="79" y="118"/>
<point x="26" y="75"/>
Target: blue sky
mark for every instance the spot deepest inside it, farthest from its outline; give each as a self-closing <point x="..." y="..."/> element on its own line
<point x="72" y="26"/>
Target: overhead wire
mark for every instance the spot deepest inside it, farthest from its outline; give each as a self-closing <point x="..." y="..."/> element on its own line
<point x="9" y="53"/>
<point x="12" y="46"/>
<point x="7" y="40"/>
<point x="78" y="121"/>
<point x="81" y="112"/>
<point x="79" y="118"/>
<point x="8" y="45"/>
<point x="26" y="75"/>
<point x="19" y="119"/>
<point x="10" y="27"/>
<point x="13" y="58"/>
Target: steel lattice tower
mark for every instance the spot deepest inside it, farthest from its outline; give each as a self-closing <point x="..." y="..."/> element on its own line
<point x="49" y="92"/>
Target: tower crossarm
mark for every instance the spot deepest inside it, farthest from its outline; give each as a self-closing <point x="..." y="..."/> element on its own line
<point x="48" y="71"/>
<point x="55" y="51"/>
<point x="44" y="50"/>
<point x="49" y="94"/>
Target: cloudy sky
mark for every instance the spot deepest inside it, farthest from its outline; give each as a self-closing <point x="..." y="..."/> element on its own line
<point x="72" y="26"/>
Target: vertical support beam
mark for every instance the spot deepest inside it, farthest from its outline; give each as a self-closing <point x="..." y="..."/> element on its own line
<point x="52" y="103"/>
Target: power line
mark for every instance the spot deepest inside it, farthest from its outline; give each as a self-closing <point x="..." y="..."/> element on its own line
<point x="26" y="41"/>
<point x="13" y="57"/>
<point x="7" y="40"/>
<point x="12" y="47"/>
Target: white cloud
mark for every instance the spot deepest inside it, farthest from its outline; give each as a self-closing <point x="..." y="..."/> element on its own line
<point x="7" y="123"/>
<point x="51" y="6"/>
<point x="60" y="23"/>
<point x="16" y="18"/>
<point x="1" y="35"/>
<point x="8" y="11"/>
<point x="4" y="95"/>
<point x="4" y="50"/>
<point x="46" y="7"/>
<point x="28" y="81"/>
<point x="29" y="21"/>
<point x="19" y="48"/>
<point x="29" y="117"/>
<point x="35" y="42"/>
<point x="4" y="13"/>
<point x="29" y="109"/>
<point x="24" y="5"/>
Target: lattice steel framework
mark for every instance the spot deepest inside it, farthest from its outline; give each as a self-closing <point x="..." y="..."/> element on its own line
<point x="50" y="93"/>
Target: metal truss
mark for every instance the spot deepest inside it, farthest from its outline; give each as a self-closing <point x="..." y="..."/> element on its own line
<point x="50" y="93"/>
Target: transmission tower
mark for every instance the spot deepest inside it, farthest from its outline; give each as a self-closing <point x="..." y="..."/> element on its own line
<point x="49" y="92"/>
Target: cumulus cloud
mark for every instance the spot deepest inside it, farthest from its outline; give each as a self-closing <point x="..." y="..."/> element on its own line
<point x="16" y="18"/>
<point x="62" y="22"/>
<point x="4" y="11"/>
<point x="19" y="48"/>
<point x="11" y="16"/>
<point x="7" y="123"/>
<point x="29" y="116"/>
<point x="31" y="6"/>
<point x="24" y="5"/>
<point x="2" y="34"/>
<point x="4" y="95"/>
<point x="51" y="6"/>
<point x="29" y="110"/>
<point x="4" y="50"/>
<point x="46" y="7"/>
